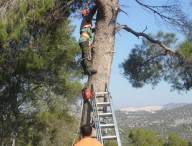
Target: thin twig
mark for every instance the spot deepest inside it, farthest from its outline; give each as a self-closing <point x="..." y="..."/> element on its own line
<point x="155" y="11"/>
<point x="121" y="10"/>
<point x="144" y="29"/>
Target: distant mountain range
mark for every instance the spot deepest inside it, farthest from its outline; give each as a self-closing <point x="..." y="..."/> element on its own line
<point x="152" y="109"/>
<point x="171" y="118"/>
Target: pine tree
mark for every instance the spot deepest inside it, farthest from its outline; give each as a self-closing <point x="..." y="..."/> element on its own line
<point x="39" y="72"/>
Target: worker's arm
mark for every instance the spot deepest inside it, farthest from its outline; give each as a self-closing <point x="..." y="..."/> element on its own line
<point x="92" y="12"/>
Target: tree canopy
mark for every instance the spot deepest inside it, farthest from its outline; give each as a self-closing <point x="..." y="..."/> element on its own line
<point x="142" y="137"/>
<point x="39" y="72"/>
<point x="161" y="56"/>
<point x="147" y="63"/>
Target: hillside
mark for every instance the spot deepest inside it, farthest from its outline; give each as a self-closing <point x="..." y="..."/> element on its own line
<point x="165" y="120"/>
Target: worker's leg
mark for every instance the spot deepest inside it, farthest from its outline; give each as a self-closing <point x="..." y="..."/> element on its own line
<point x="89" y="68"/>
<point x="84" y="50"/>
<point x="86" y="64"/>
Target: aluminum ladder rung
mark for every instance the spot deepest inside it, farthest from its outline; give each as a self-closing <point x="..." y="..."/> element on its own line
<point x="109" y="137"/>
<point x="101" y="93"/>
<point x="100" y="109"/>
<point x="107" y="125"/>
<point x="103" y="103"/>
<point x="105" y="114"/>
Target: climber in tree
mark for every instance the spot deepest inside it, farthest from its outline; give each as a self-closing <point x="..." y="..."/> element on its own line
<point x="86" y="38"/>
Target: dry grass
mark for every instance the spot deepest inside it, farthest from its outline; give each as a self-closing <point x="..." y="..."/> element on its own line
<point x="6" y="5"/>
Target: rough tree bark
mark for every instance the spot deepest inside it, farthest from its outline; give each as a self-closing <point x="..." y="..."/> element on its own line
<point x="103" y="51"/>
<point x="104" y="42"/>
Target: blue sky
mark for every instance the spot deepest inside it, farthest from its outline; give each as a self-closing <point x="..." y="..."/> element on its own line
<point x="123" y="93"/>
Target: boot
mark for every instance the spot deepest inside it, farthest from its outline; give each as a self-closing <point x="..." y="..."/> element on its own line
<point x="91" y="72"/>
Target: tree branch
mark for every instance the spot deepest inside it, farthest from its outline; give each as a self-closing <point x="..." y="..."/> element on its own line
<point x="171" y="14"/>
<point x="121" y="10"/>
<point x="154" y="9"/>
<point x="154" y="57"/>
<point x="166" y="49"/>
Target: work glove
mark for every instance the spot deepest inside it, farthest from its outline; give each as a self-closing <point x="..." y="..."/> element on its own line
<point x="93" y="30"/>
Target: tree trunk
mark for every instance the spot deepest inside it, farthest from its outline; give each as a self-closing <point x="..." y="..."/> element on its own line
<point x="15" y="114"/>
<point x="13" y="140"/>
<point x="103" y="52"/>
<point x="104" y="43"/>
<point x="2" y="128"/>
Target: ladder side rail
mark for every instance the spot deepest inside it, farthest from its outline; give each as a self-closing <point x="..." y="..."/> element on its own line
<point x="95" y="116"/>
<point x="96" y="119"/>
<point x="115" y="121"/>
<point x="98" y="128"/>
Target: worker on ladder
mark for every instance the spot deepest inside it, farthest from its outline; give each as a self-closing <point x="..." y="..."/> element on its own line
<point x="86" y="38"/>
<point x="87" y="140"/>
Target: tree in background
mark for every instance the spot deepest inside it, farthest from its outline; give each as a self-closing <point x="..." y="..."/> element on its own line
<point x="174" y="140"/>
<point x="110" y="143"/>
<point x="150" y="62"/>
<point x="39" y="73"/>
<point x="147" y="63"/>
<point x="140" y="137"/>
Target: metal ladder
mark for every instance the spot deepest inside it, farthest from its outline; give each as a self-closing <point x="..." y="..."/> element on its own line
<point x="104" y="118"/>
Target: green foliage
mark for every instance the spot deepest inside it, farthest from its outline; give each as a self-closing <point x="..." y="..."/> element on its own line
<point x="175" y="140"/>
<point x="149" y="64"/>
<point x="48" y="125"/>
<point x="185" y="49"/>
<point x="139" y="70"/>
<point x="3" y="33"/>
<point x="39" y="73"/>
<point x="140" y="137"/>
<point x="110" y="143"/>
<point x="166" y="38"/>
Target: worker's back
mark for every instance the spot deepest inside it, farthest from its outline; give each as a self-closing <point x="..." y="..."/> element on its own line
<point x="88" y="141"/>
